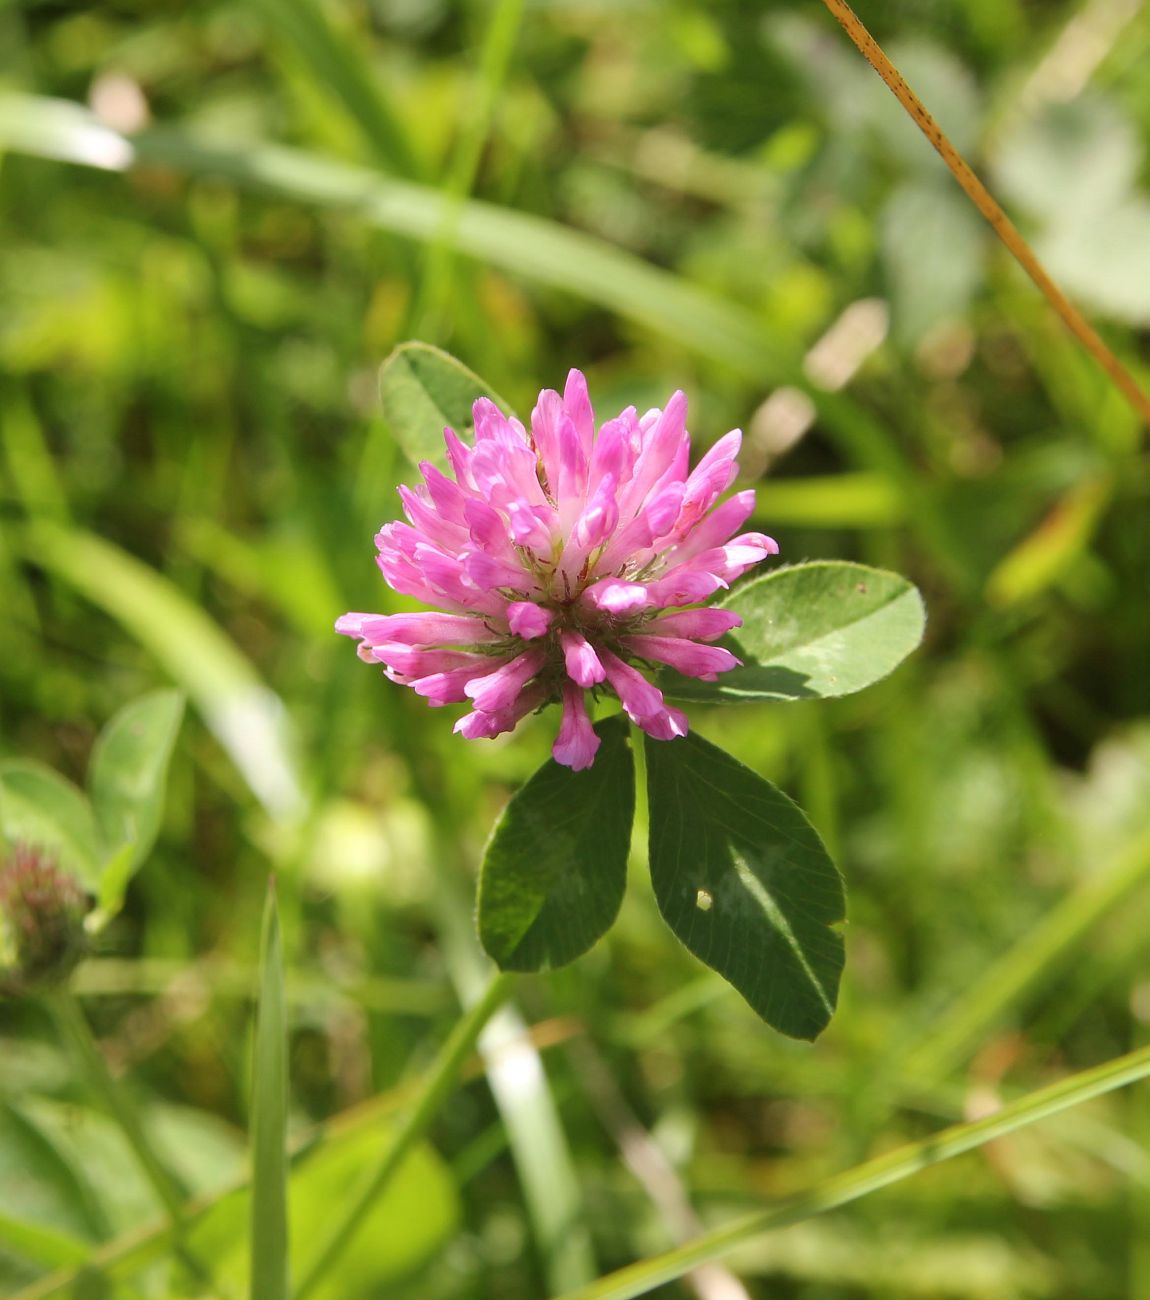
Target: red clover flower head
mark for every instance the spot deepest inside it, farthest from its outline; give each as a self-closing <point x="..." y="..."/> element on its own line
<point x="42" y="910"/>
<point x="560" y="558"/>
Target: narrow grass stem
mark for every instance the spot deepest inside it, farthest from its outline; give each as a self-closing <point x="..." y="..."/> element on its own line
<point x="74" y="1024"/>
<point x="436" y="1086"/>
<point x="871" y="1176"/>
<point x="986" y="203"/>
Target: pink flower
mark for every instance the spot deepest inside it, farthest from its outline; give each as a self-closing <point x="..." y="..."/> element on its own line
<point x="554" y="557"/>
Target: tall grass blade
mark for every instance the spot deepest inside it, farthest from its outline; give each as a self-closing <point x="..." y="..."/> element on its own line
<point x="338" y="66"/>
<point x="269" y="1214"/>
<point x="871" y="1176"/>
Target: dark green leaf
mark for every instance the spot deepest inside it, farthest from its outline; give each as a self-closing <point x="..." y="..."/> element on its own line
<point x="42" y="809"/>
<point x="556" y="866"/>
<point x="813" y="631"/>
<point x="743" y="879"/>
<point x="424" y="389"/>
<point x="269" y="1212"/>
<point x="127" y="779"/>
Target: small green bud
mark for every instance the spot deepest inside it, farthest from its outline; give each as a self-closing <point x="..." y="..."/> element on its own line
<point x="42" y="911"/>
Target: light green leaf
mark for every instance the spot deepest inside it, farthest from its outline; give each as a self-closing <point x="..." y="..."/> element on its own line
<point x="127" y="778"/>
<point x="744" y="881"/>
<point x="41" y="808"/>
<point x="555" y="869"/>
<point x="422" y="389"/>
<point x="269" y="1201"/>
<point x="813" y="631"/>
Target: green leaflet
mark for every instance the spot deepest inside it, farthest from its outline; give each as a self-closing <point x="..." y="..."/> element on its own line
<point x="422" y="389"/>
<point x="128" y="778"/>
<point x="555" y="869"/>
<point x="744" y="881"/>
<point x="813" y="631"/>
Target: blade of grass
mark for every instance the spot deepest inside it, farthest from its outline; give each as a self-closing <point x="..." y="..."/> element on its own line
<point x="336" y="64"/>
<point x="871" y="1176"/>
<point x="433" y="1091"/>
<point x="269" y="1213"/>
<point x="985" y="202"/>
<point x="521" y="244"/>
<point x="523" y="1095"/>
<point x="525" y="245"/>
<point x="120" y="1105"/>
<point x="137" y="1249"/>
<point x="245" y="715"/>
<point x="494" y="59"/>
<point x="1034" y="957"/>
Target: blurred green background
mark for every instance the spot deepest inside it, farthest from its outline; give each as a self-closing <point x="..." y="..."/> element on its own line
<point x="719" y="197"/>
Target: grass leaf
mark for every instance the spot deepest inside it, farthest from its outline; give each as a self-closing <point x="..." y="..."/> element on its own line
<point x="269" y="1204"/>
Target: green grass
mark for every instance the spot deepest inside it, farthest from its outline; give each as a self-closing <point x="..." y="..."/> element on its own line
<point x="192" y="465"/>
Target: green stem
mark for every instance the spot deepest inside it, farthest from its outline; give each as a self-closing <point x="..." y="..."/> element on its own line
<point x="434" y="1090"/>
<point x="872" y="1176"/>
<point x="74" y="1023"/>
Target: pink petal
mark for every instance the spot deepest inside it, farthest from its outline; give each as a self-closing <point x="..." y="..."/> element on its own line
<point x="614" y="596"/>
<point x="697" y="624"/>
<point x="576" y="744"/>
<point x="480" y="725"/>
<point x="498" y="690"/>
<point x="528" y="620"/>
<point x="687" y="657"/>
<point x="445" y="688"/>
<point x="641" y="699"/>
<point x="667" y="724"/>
<point x="410" y="662"/>
<point x="577" y="404"/>
<point x="583" y="666"/>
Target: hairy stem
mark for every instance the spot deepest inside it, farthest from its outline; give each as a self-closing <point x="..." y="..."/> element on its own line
<point x="986" y="203"/>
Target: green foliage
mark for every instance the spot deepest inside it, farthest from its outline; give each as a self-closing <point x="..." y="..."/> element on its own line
<point x="744" y="881"/>
<point x="41" y="808"/>
<point x="813" y="631"/>
<point x="423" y="390"/>
<point x="102" y="837"/>
<point x="127" y="777"/>
<point x="554" y="871"/>
<point x="192" y="463"/>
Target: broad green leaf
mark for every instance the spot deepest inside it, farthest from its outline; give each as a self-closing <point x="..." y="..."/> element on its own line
<point x="744" y="881"/>
<point x="422" y="389"/>
<point x="555" y="869"/>
<point x="41" y="808"/>
<point x="813" y="631"/>
<point x="269" y="1200"/>
<point x="127" y="778"/>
